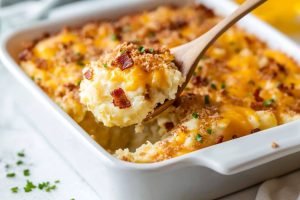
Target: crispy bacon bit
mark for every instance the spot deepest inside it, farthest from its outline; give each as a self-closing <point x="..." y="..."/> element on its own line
<point x="88" y="74"/>
<point x="281" y="68"/>
<point x="292" y="86"/>
<point x="70" y="86"/>
<point x="147" y="93"/>
<point x="169" y="125"/>
<point x="220" y="139"/>
<point x="177" y="24"/>
<point x="257" y="105"/>
<point x="41" y="63"/>
<point x="274" y="145"/>
<point x="199" y="81"/>
<point x="256" y="95"/>
<point x="273" y="70"/>
<point x="255" y="130"/>
<point x="285" y="89"/>
<point x="120" y="99"/>
<point x="124" y="61"/>
<point x="25" y="55"/>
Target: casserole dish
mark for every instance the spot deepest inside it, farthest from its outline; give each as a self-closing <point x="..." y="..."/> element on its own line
<point x="204" y="174"/>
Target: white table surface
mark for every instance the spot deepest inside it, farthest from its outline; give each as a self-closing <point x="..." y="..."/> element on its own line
<point x="43" y="161"/>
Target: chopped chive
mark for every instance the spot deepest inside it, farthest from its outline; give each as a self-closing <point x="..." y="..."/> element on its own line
<point x="43" y="185"/>
<point x="213" y="86"/>
<point x="268" y="103"/>
<point x="209" y="131"/>
<point x="105" y="65"/>
<point x="14" y="189"/>
<point x="141" y="49"/>
<point x="21" y="154"/>
<point x="80" y="63"/>
<point x="206" y="100"/>
<point x="223" y="86"/>
<point x="10" y="175"/>
<point x="57" y="181"/>
<point x="19" y="162"/>
<point x="151" y="50"/>
<point x="123" y="51"/>
<point x="50" y="187"/>
<point x="199" y="138"/>
<point x="114" y="37"/>
<point x="26" y="172"/>
<point x="29" y="186"/>
<point x="195" y="115"/>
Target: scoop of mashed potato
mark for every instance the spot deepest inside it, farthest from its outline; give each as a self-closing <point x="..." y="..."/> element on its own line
<point x="126" y="84"/>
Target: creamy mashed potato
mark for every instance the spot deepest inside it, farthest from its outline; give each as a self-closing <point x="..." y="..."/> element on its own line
<point x="125" y="85"/>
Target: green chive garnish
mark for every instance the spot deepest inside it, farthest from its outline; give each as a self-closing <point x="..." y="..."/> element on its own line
<point x="10" y="175"/>
<point x="14" y="190"/>
<point x="195" y="115"/>
<point x="213" y="86"/>
<point x="151" y="50"/>
<point x="141" y="49"/>
<point x="51" y="187"/>
<point x="209" y="131"/>
<point x="19" y="162"/>
<point x="80" y="63"/>
<point x="199" y="138"/>
<point x="29" y="186"/>
<point x="268" y="103"/>
<point x="26" y="172"/>
<point x="21" y="154"/>
<point x="223" y="86"/>
<point x="43" y="185"/>
<point x="206" y="100"/>
<point x="114" y="37"/>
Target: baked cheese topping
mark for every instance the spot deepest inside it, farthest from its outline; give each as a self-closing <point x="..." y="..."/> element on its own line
<point x="125" y="85"/>
<point x="240" y="87"/>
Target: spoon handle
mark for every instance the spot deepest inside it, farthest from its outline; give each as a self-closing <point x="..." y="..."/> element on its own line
<point x="188" y="55"/>
<point x="194" y="50"/>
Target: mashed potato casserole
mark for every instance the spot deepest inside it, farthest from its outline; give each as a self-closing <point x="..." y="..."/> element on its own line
<point x="239" y="88"/>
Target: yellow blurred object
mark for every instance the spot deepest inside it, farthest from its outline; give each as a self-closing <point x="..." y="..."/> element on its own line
<point x="284" y="15"/>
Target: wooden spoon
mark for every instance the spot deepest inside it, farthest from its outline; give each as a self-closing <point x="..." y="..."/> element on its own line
<point x="188" y="55"/>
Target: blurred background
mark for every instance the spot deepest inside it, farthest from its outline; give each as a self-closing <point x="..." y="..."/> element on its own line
<point x="284" y="15"/>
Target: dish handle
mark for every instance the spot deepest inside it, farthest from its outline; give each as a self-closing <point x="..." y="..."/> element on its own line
<point x="250" y="151"/>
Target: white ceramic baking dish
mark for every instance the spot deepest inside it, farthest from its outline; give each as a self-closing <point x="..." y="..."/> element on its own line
<point x="205" y="174"/>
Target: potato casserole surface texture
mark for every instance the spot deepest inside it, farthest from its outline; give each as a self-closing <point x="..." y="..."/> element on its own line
<point x="241" y="86"/>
